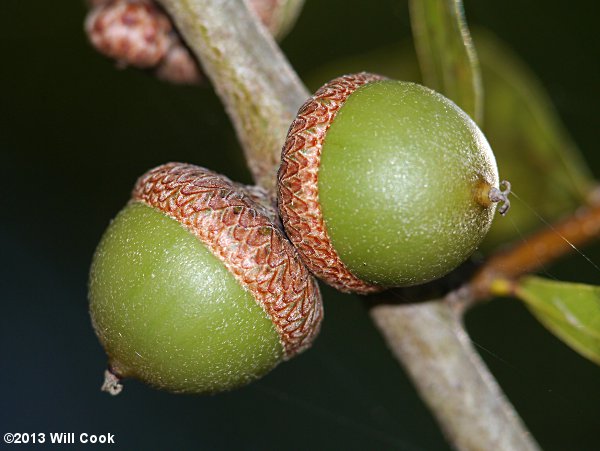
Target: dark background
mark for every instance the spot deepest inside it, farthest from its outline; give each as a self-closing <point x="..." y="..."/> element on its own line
<point x="75" y="134"/>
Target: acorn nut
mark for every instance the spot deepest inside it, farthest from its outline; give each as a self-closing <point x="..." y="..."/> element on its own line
<point x="193" y="288"/>
<point x="385" y="183"/>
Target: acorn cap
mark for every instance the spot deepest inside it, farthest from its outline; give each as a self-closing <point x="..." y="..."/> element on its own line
<point x="298" y="192"/>
<point x="239" y="231"/>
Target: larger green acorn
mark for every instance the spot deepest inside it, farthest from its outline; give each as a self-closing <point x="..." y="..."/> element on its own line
<point x="385" y="183"/>
<point x="194" y="288"/>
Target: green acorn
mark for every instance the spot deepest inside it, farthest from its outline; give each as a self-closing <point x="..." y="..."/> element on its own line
<point x="194" y="288"/>
<point x="385" y="183"/>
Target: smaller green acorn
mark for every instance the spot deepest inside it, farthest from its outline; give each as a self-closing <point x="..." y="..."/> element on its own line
<point x="195" y="289"/>
<point x="385" y="183"/>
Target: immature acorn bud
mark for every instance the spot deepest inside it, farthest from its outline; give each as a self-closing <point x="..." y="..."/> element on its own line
<point x="385" y="183"/>
<point x="179" y="67"/>
<point x="133" y="32"/>
<point x="139" y="33"/>
<point x="193" y="288"/>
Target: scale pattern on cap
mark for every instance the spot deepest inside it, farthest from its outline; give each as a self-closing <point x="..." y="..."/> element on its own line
<point x="237" y="230"/>
<point x="298" y="183"/>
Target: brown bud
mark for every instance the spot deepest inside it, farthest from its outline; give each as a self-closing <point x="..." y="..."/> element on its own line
<point x="133" y="32"/>
<point x="179" y="66"/>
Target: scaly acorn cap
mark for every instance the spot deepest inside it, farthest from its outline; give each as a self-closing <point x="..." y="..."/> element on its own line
<point x="240" y="231"/>
<point x="298" y="191"/>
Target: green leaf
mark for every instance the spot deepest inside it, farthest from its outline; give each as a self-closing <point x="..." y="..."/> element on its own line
<point x="446" y="54"/>
<point x="570" y="311"/>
